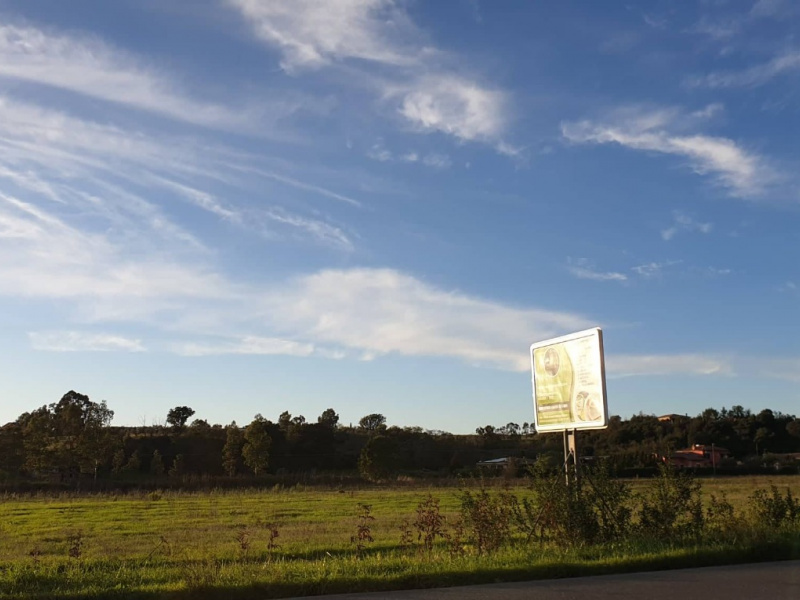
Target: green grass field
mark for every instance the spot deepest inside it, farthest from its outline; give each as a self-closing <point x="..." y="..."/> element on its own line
<point x="224" y="544"/>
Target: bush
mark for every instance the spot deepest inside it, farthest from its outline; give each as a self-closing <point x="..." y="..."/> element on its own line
<point x="591" y="509"/>
<point x="672" y="509"/>
<point x="773" y="509"/>
<point x="721" y="521"/>
<point x="487" y="518"/>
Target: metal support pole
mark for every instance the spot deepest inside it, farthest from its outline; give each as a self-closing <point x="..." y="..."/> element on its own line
<point x="570" y="455"/>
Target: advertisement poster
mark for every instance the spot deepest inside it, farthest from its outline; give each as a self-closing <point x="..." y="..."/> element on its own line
<point x="569" y="388"/>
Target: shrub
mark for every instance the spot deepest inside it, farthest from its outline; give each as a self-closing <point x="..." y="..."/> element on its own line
<point x="773" y="509"/>
<point x="672" y="508"/>
<point x="487" y="518"/>
<point x="721" y="521"/>
<point x="429" y="523"/>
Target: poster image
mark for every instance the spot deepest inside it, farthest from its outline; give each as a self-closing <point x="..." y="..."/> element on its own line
<point x="569" y="389"/>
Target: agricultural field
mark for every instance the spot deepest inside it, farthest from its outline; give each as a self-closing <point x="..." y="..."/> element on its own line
<point x="284" y="542"/>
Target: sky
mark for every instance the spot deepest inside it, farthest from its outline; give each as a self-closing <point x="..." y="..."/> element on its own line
<point x="251" y="206"/>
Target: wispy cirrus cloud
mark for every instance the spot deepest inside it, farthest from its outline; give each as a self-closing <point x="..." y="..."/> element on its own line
<point x="582" y="268"/>
<point x="80" y="341"/>
<point x="91" y="67"/>
<point x="45" y="257"/>
<point x="110" y="172"/>
<point x="630" y="365"/>
<point x="723" y="27"/>
<point x="653" y="269"/>
<point x="249" y="344"/>
<point x="436" y="160"/>
<point x="682" y="222"/>
<point x="316" y="229"/>
<point x="744" y="173"/>
<point x="731" y="365"/>
<point x="313" y="34"/>
<point x="416" y="77"/>
<point x="376" y="312"/>
<point x="783" y="64"/>
<point x="786" y="369"/>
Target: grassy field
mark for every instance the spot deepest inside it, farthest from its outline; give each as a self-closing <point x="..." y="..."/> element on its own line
<point x="284" y="542"/>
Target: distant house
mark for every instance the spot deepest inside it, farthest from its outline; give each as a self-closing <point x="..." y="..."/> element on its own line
<point x="698" y="455"/>
<point x="672" y="418"/>
<point x="502" y="463"/>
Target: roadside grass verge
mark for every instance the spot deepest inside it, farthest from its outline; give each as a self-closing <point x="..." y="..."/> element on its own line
<point x="280" y="543"/>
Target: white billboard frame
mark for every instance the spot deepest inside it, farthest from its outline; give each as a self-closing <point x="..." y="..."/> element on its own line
<point x="585" y="348"/>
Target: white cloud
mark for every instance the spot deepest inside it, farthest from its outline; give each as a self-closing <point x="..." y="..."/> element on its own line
<point x="723" y="28"/>
<point x="583" y="269"/>
<point x="625" y="365"/>
<point x="709" y="111"/>
<point x="684" y="223"/>
<point x="718" y="29"/>
<point x="437" y="161"/>
<point x="380" y="153"/>
<point x="90" y="67"/>
<point x="455" y="106"/>
<point x="787" y="369"/>
<point x="79" y="341"/>
<point x="758" y="75"/>
<point x="203" y="200"/>
<point x="714" y="271"/>
<point x="773" y="8"/>
<point x="311" y="34"/>
<point x="292" y="182"/>
<point x="653" y="269"/>
<point x="322" y="232"/>
<point x="45" y="257"/>
<point x="382" y="311"/>
<point x="417" y="77"/>
<point x="742" y="172"/>
<point x="109" y="173"/>
<point x="246" y="345"/>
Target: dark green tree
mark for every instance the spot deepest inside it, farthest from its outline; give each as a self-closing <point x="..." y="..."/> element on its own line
<point x="38" y="440"/>
<point x="328" y="418"/>
<point x="12" y="451"/>
<point x="285" y="420"/>
<point x="157" y="464"/>
<point x="178" y="466"/>
<point x="378" y="459"/>
<point x="69" y="436"/>
<point x="256" y="445"/>
<point x="373" y="423"/>
<point x="177" y="417"/>
<point x="232" y="451"/>
<point x="118" y="462"/>
<point x="134" y="463"/>
<point x="82" y="438"/>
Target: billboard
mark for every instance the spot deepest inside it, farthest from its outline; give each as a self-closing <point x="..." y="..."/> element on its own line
<point x="569" y="382"/>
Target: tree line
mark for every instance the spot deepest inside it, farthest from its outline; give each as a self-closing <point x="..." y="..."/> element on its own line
<point x="72" y="440"/>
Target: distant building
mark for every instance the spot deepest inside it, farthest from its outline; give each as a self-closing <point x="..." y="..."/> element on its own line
<point x="501" y="463"/>
<point x="672" y="418"/>
<point x="698" y="455"/>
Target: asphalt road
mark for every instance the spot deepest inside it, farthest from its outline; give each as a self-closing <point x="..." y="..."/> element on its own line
<point x="765" y="581"/>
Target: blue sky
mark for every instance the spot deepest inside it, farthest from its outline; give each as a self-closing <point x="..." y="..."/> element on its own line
<point x="378" y="205"/>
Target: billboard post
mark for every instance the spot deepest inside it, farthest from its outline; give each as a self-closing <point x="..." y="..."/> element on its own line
<point x="569" y="387"/>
